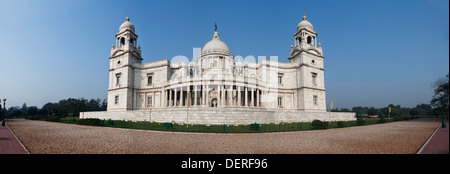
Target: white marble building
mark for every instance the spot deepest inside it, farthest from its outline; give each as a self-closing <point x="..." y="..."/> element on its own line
<point x="216" y="88"/>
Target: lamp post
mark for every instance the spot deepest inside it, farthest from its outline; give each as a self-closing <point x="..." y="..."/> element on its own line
<point x="4" y="111"/>
<point x="442" y="101"/>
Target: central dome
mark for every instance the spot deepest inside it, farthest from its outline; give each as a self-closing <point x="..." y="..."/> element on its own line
<point x="215" y="45"/>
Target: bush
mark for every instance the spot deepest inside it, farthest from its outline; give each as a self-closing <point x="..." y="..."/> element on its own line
<point x="317" y="124"/>
<point x="398" y="118"/>
<point x="31" y="117"/>
<point x="168" y="125"/>
<point x="90" y="121"/>
<point x="254" y="126"/>
<point x="341" y="124"/>
<point x="360" y="121"/>
<point x="382" y="120"/>
<point x="52" y="118"/>
<point x="110" y="122"/>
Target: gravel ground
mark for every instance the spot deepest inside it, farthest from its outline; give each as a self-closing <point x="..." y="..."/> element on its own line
<point x="404" y="137"/>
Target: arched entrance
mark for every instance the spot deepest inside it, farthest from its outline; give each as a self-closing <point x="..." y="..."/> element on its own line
<point x="214" y="102"/>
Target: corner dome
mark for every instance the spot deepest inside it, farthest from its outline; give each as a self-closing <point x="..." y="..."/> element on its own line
<point x="126" y="25"/>
<point x="305" y="24"/>
<point x="215" y="45"/>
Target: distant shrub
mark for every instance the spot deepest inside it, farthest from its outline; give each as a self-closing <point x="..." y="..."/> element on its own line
<point x="110" y="122"/>
<point x="90" y="121"/>
<point x="317" y="124"/>
<point x="382" y="120"/>
<point x="254" y="126"/>
<point x="52" y="118"/>
<point x="341" y="124"/>
<point x="31" y="117"/>
<point x="360" y="121"/>
<point x="398" y="118"/>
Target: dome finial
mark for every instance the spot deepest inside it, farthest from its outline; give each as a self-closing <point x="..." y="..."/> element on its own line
<point x="304" y="16"/>
<point x="127" y="19"/>
<point x="216" y="36"/>
<point x="215" y="27"/>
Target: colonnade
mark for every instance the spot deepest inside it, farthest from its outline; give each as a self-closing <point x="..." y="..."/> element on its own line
<point x="213" y="95"/>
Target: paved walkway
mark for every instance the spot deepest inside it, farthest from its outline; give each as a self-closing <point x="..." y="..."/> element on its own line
<point x="438" y="143"/>
<point x="402" y="137"/>
<point x="9" y="144"/>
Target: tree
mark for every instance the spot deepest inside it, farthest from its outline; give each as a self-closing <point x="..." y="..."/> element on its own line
<point x="17" y="113"/>
<point x="51" y="108"/>
<point x="104" y="105"/>
<point x="24" y="109"/>
<point x="372" y="111"/>
<point x="437" y="101"/>
<point x="32" y="111"/>
<point x="414" y="112"/>
<point x="425" y="109"/>
<point x="360" y="111"/>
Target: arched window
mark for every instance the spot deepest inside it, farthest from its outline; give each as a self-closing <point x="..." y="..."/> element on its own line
<point x="309" y="40"/>
<point x="122" y="41"/>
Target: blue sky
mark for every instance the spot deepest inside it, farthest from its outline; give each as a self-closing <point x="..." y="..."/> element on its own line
<point x="376" y="52"/>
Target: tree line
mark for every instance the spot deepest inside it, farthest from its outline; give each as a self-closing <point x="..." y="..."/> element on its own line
<point x="396" y="110"/>
<point x="62" y="108"/>
<point x="438" y="105"/>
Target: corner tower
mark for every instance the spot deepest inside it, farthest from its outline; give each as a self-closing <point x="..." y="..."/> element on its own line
<point x="308" y="54"/>
<point x="125" y="56"/>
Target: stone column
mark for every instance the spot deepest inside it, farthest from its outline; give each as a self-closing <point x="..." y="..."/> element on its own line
<point x="175" y="97"/>
<point x="170" y="97"/>
<point x="181" y="96"/>
<point x="207" y="95"/>
<point x="235" y="100"/>
<point x="246" y="96"/>
<point x="153" y="100"/>
<point x="203" y="95"/>
<point x="257" y="97"/>
<point x="239" y="96"/>
<point x="195" y="96"/>
<point x="315" y="42"/>
<point x="252" y="100"/>
<point x="222" y="95"/>
<point x="219" y="100"/>
<point x="230" y="95"/>
<point x="163" y="98"/>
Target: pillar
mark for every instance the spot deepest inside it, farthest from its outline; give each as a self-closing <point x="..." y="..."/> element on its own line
<point x="252" y="104"/>
<point x="207" y="95"/>
<point x="230" y="95"/>
<point x="170" y="97"/>
<point x="181" y="96"/>
<point x="257" y="97"/>
<point x="238" y="103"/>
<point x="223" y="95"/>
<point x="175" y="97"/>
<point x="163" y="98"/>
<point x="195" y="96"/>
<point x="153" y="100"/>
<point x="203" y="95"/>
<point x="246" y="96"/>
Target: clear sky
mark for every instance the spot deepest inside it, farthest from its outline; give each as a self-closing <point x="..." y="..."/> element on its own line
<point x="376" y="52"/>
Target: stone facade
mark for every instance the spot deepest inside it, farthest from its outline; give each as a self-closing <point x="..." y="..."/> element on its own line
<point x="214" y="116"/>
<point x="216" y="88"/>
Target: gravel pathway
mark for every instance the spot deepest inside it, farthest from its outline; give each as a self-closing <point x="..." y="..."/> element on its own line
<point x="404" y="137"/>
